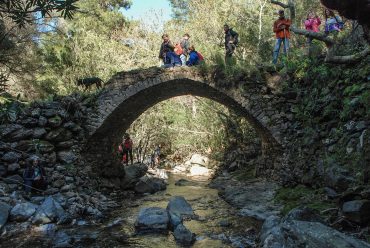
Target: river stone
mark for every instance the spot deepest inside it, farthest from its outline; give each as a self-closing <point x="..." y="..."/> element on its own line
<point x="133" y="173"/>
<point x="197" y="170"/>
<point x="55" y="121"/>
<point x="67" y="157"/>
<point x="151" y="185"/>
<point x="152" y="219"/>
<point x="180" y="207"/>
<point x="4" y="213"/>
<point x="198" y="159"/>
<point x="183" y="235"/>
<point x="277" y="233"/>
<point x="23" y="211"/>
<point x="49" y="211"/>
<point x="11" y="157"/>
<point x="357" y="211"/>
<point x="38" y="132"/>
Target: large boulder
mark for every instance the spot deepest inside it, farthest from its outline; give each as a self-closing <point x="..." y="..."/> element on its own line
<point x="357" y="211"/>
<point x="151" y="185"/>
<point x="198" y="159"/>
<point x="49" y="211"/>
<point x="197" y="170"/>
<point x="180" y="207"/>
<point x="23" y="211"/>
<point x="4" y="213"/>
<point x="293" y="231"/>
<point x="183" y="235"/>
<point x="152" y="220"/>
<point x="133" y="173"/>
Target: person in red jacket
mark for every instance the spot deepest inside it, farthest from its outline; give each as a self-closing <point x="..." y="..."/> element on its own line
<point x="281" y="29"/>
<point x="126" y="149"/>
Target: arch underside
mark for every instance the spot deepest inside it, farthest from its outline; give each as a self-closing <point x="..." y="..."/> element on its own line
<point x="111" y="130"/>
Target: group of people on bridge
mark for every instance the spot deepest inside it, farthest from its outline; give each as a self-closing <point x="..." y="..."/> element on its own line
<point x="184" y="54"/>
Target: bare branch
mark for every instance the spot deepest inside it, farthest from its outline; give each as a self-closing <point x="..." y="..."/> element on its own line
<point x="317" y="36"/>
<point x="330" y="58"/>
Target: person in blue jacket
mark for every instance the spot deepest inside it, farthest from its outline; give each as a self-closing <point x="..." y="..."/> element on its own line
<point x="172" y="60"/>
<point x="193" y="57"/>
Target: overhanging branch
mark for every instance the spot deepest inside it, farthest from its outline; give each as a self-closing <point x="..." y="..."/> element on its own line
<point x="317" y="36"/>
<point x="283" y="5"/>
<point x="330" y="58"/>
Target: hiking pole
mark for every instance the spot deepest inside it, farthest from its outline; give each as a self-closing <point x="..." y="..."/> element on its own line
<point x="9" y="179"/>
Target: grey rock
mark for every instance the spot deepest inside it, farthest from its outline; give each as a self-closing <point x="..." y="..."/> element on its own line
<point x="59" y="135"/>
<point x="331" y="193"/>
<point x="26" y="146"/>
<point x="49" y="211"/>
<point x="45" y="146"/>
<point x="4" y="213"/>
<point x="58" y="183"/>
<point x="23" y="211"/>
<point x="174" y="220"/>
<point x="152" y="220"/>
<point x="30" y="122"/>
<point x="303" y="214"/>
<point x="21" y="134"/>
<point x="357" y="211"/>
<point x="13" y="167"/>
<point x="290" y="233"/>
<point x="11" y="157"/>
<point x="338" y="178"/>
<point x="7" y="130"/>
<point x="42" y="121"/>
<point x="67" y="157"/>
<point x="133" y="173"/>
<point x="151" y="185"/>
<point x="184" y="182"/>
<point x="183" y="235"/>
<point x="180" y="207"/>
<point x="62" y="240"/>
<point x="38" y="132"/>
<point x="65" y="144"/>
<point x="3" y="170"/>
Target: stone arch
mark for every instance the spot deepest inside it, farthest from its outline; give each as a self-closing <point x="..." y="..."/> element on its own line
<point x="128" y="95"/>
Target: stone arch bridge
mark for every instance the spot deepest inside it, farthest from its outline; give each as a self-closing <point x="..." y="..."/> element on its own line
<point x="128" y="94"/>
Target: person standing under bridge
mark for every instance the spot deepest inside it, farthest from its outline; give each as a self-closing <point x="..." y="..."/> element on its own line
<point x="126" y="149"/>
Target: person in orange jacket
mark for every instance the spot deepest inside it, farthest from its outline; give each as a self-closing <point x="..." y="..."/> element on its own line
<point x="281" y="29"/>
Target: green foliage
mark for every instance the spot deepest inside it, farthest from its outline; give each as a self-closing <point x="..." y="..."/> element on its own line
<point x="302" y="196"/>
<point x="21" y="11"/>
<point x="9" y="109"/>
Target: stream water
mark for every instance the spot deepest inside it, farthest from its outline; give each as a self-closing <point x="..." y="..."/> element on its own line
<point x="218" y="224"/>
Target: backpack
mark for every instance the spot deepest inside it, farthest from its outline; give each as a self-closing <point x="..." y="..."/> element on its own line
<point x="178" y="49"/>
<point x="127" y="144"/>
<point x="200" y="56"/>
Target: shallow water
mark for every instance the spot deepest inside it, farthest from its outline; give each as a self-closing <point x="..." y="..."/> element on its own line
<point x="118" y="231"/>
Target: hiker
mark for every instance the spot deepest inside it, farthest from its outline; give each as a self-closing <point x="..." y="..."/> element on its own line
<point x="182" y="48"/>
<point x="126" y="149"/>
<point x="312" y="24"/>
<point x="281" y="29"/>
<point x="333" y="23"/>
<point x="231" y="40"/>
<point x="193" y="57"/>
<point x="166" y="47"/>
<point x="157" y="155"/>
<point x="28" y="177"/>
<point x="172" y="60"/>
<point x="39" y="175"/>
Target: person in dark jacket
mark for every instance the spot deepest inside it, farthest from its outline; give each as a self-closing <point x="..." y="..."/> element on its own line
<point x="166" y="46"/>
<point x="185" y="44"/>
<point x="193" y="57"/>
<point x="39" y="176"/>
<point x="231" y="40"/>
<point x="28" y="175"/>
